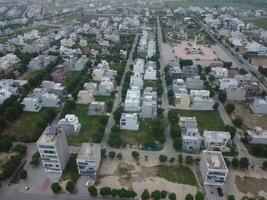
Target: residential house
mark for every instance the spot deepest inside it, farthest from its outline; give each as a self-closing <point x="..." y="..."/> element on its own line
<point x="217" y="140"/>
<point x="151" y="48"/>
<point x="50" y="100"/>
<point x="136" y="81"/>
<point x="91" y="86"/>
<point x="182" y="101"/>
<point x="85" y="97"/>
<point x="213" y="168"/>
<point x="139" y="66"/>
<point x="227" y="82"/>
<point x="252" y="90"/>
<point x="53" y="148"/>
<point x="177" y="85"/>
<point x="234" y="93"/>
<point x="194" y="83"/>
<point x="88" y="159"/>
<point x="60" y="74"/>
<point x="40" y="62"/>
<point x="189" y="71"/>
<point x="8" y="62"/>
<point x="52" y="87"/>
<point x="97" y="108"/>
<point x="201" y="100"/>
<point x="129" y="121"/>
<point x="132" y="101"/>
<point x="97" y="74"/>
<point x="149" y="103"/>
<point x="244" y="79"/>
<point x="31" y="104"/>
<point x="106" y="86"/>
<point x="219" y="72"/>
<point x="259" y="105"/>
<point x="257" y="136"/>
<point x="150" y="72"/>
<point x="70" y="124"/>
<point x="80" y="64"/>
<point x="4" y="94"/>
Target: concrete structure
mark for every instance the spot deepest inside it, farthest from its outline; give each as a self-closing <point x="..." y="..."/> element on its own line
<point x="88" y="159"/>
<point x="40" y="62"/>
<point x="31" y="104"/>
<point x="217" y="140"/>
<point x="129" y="121"/>
<point x="200" y="100"/>
<point x="53" y="148"/>
<point x="149" y="103"/>
<point x="52" y="87"/>
<point x="132" y="101"/>
<point x="97" y="108"/>
<point x="136" y="81"/>
<point x="257" y="136"/>
<point x="85" y="97"/>
<point x="106" y="86"/>
<point x="234" y="93"/>
<point x="194" y="83"/>
<point x="91" y="86"/>
<point x="259" y="106"/>
<point x="50" y="100"/>
<point x="227" y="82"/>
<point x="190" y="135"/>
<point x="70" y="124"/>
<point x="219" y="72"/>
<point x="178" y="84"/>
<point x="97" y="74"/>
<point x="213" y="168"/>
<point x="150" y="71"/>
<point x="139" y="66"/>
<point x="182" y="101"/>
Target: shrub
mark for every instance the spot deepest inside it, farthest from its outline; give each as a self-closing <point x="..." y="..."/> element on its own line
<point x="135" y="155"/>
<point x="189" y="160"/>
<point x="180" y="159"/>
<point x="238" y="121"/>
<point x="227" y="162"/>
<point x="163" y="158"/>
<point x="199" y="196"/>
<point x="231" y="130"/>
<point x="23" y="174"/>
<point x="21" y="149"/>
<point x="119" y="156"/>
<point x="231" y="197"/>
<point x="5" y="143"/>
<point x="56" y="188"/>
<point x="189" y="197"/>
<point x="222" y="96"/>
<point x="112" y="154"/>
<point x="92" y="190"/>
<point x="35" y="159"/>
<point x="172" y="159"/>
<point x="163" y="194"/>
<point x="235" y="162"/>
<point x="172" y="196"/>
<point x="145" y="195"/>
<point x="156" y="195"/>
<point x="230" y="108"/>
<point x="244" y="163"/>
<point x="264" y="165"/>
<point x="70" y="186"/>
<point x="178" y="144"/>
<point x="105" y="191"/>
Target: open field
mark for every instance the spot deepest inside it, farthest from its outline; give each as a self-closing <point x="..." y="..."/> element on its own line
<point x="206" y="120"/>
<point x="90" y="125"/>
<point x="261" y="23"/>
<point x="259" y="61"/>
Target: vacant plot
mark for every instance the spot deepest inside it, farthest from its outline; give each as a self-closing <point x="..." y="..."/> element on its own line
<point x="262" y="23"/>
<point x="251" y="185"/>
<point x="250" y="120"/>
<point x="24" y="128"/>
<point x="260" y="61"/>
<point x="177" y="174"/>
<point x="90" y="125"/>
<point x="206" y="120"/>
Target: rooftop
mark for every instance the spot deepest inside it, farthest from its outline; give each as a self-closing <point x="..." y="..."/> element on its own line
<point x="89" y="151"/>
<point x="214" y="160"/>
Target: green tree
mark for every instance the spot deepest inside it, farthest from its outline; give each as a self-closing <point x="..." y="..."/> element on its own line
<point x="264" y="165"/>
<point x="199" y="196"/>
<point x="119" y="156"/>
<point x="189" y="160"/>
<point x="112" y="154"/>
<point x="135" y="155"/>
<point x="244" y="163"/>
<point x="3" y="123"/>
<point x="231" y="197"/>
<point x="231" y="130"/>
<point x="156" y="195"/>
<point x="235" y="162"/>
<point x="172" y="196"/>
<point x="105" y="191"/>
<point x="56" y="188"/>
<point x="145" y="195"/>
<point x="163" y="194"/>
<point x="21" y="149"/>
<point x="172" y="159"/>
<point x="238" y="121"/>
<point x="180" y="159"/>
<point x="227" y="162"/>
<point x="5" y="143"/>
<point x="222" y="96"/>
<point x="23" y="174"/>
<point x="109" y="106"/>
<point x="117" y="114"/>
<point x="163" y="158"/>
<point x="92" y="190"/>
<point x="178" y="144"/>
<point x="35" y="159"/>
<point x="189" y="197"/>
<point x="70" y="186"/>
<point x="230" y="107"/>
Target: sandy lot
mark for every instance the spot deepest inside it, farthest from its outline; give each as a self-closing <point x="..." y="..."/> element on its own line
<point x="259" y="61"/>
<point x="128" y="173"/>
<point x="250" y="120"/>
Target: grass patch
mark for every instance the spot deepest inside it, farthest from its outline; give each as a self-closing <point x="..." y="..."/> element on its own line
<point x="103" y="98"/>
<point x="206" y="120"/>
<point x="71" y="171"/>
<point x="45" y="28"/>
<point x="152" y="84"/>
<point x="25" y="126"/>
<point x="90" y="125"/>
<point x="261" y="23"/>
<point x="177" y="174"/>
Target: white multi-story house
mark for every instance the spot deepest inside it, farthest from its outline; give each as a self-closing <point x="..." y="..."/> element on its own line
<point x="52" y="87"/>
<point x="259" y="106"/>
<point x="257" y="135"/>
<point x="136" y="81"/>
<point x="227" y="82"/>
<point x="31" y="104"/>
<point x="50" y="100"/>
<point x="150" y="72"/>
<point x="149" y="103"/>
<point x="88" y="159"/>
<point x="129" y="121"/>
<point x="217" y="140"/>
<point x="70" y="124"/>
<point x="178" y="84"/>
<point x="219" y="72"/>
<point x="139" y="66"/>
<point x="106" y="86"/>
<point x="53" y="148"/>
<point x="213" y="168"/>
<point x="190" y="135"/>
<point x="201" y="100"/>
<point x="91" y="86"/>
<point x="85" y="97"/>
<point x="132" y="100"/>
<point x="4" y="94"/>
<point x="234" y="93"/>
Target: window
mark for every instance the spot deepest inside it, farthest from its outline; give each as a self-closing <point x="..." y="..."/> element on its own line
<point x="46" y="146"/>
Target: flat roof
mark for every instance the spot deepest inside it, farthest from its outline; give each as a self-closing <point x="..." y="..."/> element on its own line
<point x="89" y="151"/>
<point x="214" y="160"/>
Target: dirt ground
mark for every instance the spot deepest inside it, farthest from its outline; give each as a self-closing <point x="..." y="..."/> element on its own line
<point x="250" y="120"/>
<point x="233" y="72"/>
<point x="138" y="175"/>
<point x="251" y="185"/>
<point x="259" y="61"/>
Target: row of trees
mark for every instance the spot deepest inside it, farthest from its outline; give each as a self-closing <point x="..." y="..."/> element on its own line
<point x="107" y="191"/>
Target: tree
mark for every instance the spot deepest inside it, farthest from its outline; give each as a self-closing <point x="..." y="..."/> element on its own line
<point x="103" y="153"/>
<point x="3" y="122"/>
<point x="70" y="186"/>
<point x="231" y="130"/>
<point x="21" y="149"/>
<point x="227" y="162"/>
<point x="222" y="96"/>
<point x="56" y="188"/>
<point x="5" y="143"/>
<point x="180" y="159"/>
<point x="92" y="190"/>
<point x="172" y="196"/>
<point x="199" y="196"/>
<point x="238" y="121"/>
<point x="35" y="158"/>
<point x="264" y="165"/>
<point x="189" y="197"/>
<point x="173" y="116"/>
<point x="119" y="156"/>
<point x="189" y="160"/>
<point x="114" y="193"/>
<point x="135" y="155"/>
<point x="163" y="158"/>
<point x="117" y="114"/>
<point x="23" y="174"/>
<point x="105" y="191"/>
<point x="145" y="195"/>
<point x="112" y="154"/>
<point x="156" y="195"/>
<point x="244" y="163"/>
<point x="235" y="162"/>
<point x="172" y="159"/>
<point x="163" y="194"/>
<point x="230" y="107"/>
<point x="178" y="144"/>
<point x="231" y="197"/>
<point x="109" y="106"/>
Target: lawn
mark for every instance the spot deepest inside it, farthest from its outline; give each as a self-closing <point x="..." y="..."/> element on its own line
<point x="152" y="84"/>
<point x="45" y="28"/>
<point x="25" y="127"/>
<point x="177" y="174"/>
<point x="90" y="125"/>
<point x="207" y="120"/>
<point x="261" y="23"/>
<point x="71" y="171"/>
